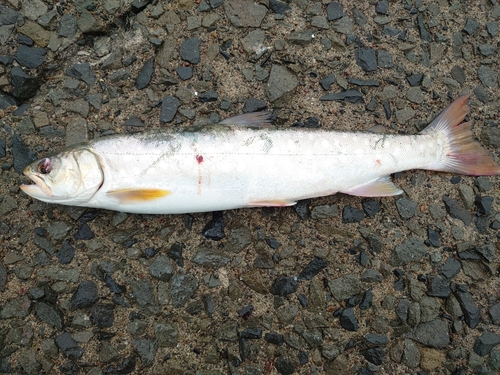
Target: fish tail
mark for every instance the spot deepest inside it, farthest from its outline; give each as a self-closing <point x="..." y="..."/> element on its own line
<point x="463" y="155"/>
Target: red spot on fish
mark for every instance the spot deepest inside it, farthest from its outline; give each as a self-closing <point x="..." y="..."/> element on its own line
<point x="199" y="159"/>
<point x="378" y="162"/>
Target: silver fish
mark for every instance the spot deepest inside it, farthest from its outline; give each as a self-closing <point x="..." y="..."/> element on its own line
<point x="243" y="162"/>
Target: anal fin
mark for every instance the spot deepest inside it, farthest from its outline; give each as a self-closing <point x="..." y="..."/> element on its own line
<point x="132" y="195"/>
<point x="272" y="203"/>
<point x="381" y="187"/>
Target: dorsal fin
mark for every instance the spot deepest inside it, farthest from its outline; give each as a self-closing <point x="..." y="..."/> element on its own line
<point x="253" y="119"/>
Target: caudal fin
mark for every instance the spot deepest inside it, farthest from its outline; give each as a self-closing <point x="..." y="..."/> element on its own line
<point x="464" y="155"/>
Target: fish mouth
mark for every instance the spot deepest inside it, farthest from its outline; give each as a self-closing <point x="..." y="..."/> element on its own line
<point x="37" y="190"/>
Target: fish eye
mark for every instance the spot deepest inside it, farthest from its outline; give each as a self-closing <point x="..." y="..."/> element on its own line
<point x="44" y="166"/>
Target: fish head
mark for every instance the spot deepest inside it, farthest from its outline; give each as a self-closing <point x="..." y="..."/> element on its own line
<point x="70" y="177"/>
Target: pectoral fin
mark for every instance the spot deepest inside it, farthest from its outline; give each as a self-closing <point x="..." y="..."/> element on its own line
<point x="381" y="187"/>
<point x="272" y="203"/>
<point x="137" y="195"/>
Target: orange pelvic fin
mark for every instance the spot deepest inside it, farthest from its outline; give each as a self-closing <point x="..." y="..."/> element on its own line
<point x="137" y="195"/>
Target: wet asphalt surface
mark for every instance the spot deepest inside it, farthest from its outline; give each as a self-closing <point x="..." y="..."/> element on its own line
<point x="335" y="285"/>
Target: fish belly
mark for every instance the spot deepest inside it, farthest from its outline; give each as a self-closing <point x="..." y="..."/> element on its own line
<point x="244" y="167"/>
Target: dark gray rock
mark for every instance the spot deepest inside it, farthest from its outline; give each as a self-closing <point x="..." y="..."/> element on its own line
<point x="146" y="348"/>
<point x="402" y="309"/>
<point x="50" y="314"/>
<point x="66" y="253"/>
<point x="487" y="76"/>
<point x="25" y="85"/>
<point x="382" y="7"/>
<point x="312" y="269"/>
<point x="374" y="355"/>
<point x="182" y="288"/>
<point x="456" y="211"/>
<point x="251" y="333"/>
<point x="472" y="313"/>
<point x="458" y="74"/>
<point x="450" y="268"/>
<point x="241" y="13"/>
<point x="411" y="250"/>
<point x="274" y="338"/>
<point x="366" y="300"/>
<point x="334" y="11"/>
<point x="69" y="346"/>
<point x="84" y="233"/>
<point x="366" y="59"/>
<point x="85" y="295"/>
<point x="327" y="81"/>
<point x="485" y="343"/>
<point x="113" y="285"/>
<point x="284" y="366"/>
<point x="351" y="96"/>
<point x="68" y="26"/>
<point x="424" y="34"/>
<point x="384" y="59"/>
<point x="142" y="291"/>
<point x="3" y="276"/>
<point x="161" y="268"/>
<point x="371" y="276"/>
<point x="213" y="258"/>
<point x="30" y="57"/>
<point x="352" y="215"/>
<point x="281" y="85"/>
<point x="484" y="204"/>
<point x="167" y="335"/>
<point x="494" y="313"/>
<point x="471" y="25"/>
<point x="488" y="251"/>
<point x="407" y="208"/>
<point x="371" y="207"/>
<point x="6" y="100"/>
<point x="8" y="16"/>
<point x="103" y="315"/>
<point x="434" y="334"/>
<point x="283" y="286"/>
<point x="348" y="320"/>
<point x="208" y="96"/>
<point x="254" y="105"/>
<point x="169" y="108"/>
<point x="22" y="155"/>
<point x="134" y="121"/>
<point x="433" y="237"/>
<point x="378" y="340"/>
<point x="437" y="287"/>
<point x="214" y="229"/>
<point x="83" y="73"/>
<point x="190" y="50"/>
<point x="278" y="7"/>
<point x="145" y="74"/>
<point x="415" y="80"/>
<point x="184" y="72"/>
<point x="344" y="287"/>
<point x="301" y="37"/>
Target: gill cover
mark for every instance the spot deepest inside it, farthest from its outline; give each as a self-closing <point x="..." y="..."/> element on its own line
<point x="71" y="177"/>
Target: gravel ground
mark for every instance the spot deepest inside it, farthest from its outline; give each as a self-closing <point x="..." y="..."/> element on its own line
<point x="335" y="285"/>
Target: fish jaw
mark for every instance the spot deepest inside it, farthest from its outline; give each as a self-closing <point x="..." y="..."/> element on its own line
<point x="39" y="190"/>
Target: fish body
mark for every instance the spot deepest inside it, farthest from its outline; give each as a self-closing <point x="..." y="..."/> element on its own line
<point x="231" y="166"/>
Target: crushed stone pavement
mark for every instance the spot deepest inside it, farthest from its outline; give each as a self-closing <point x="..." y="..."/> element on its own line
<point x="338" y="284"/>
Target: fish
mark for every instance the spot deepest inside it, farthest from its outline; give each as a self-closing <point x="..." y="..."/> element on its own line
<point x="246" y="162"/>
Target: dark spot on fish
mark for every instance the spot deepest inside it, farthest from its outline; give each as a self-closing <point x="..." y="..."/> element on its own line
<point x="199" y="159"/>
